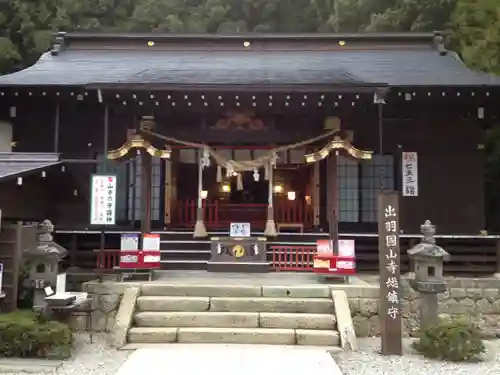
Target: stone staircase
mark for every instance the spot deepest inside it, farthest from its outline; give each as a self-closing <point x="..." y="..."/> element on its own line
<point x="242" y="314"/>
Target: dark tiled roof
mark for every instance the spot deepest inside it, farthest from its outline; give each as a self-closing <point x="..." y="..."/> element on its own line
<point x="187" y="68"/>
<point x="18" y="163"/>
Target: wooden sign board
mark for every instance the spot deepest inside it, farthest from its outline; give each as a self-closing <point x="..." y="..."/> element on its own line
<point x="389" y="265"/>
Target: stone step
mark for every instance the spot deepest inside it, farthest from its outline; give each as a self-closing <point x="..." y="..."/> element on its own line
<point x="197" y="319"/>
<point x="152" y="335"/>
<point x="272" y="305"/>
<point x="235" y="319"/>
<point x="200" y="290"/>
<point x="218" y="290"/>
<point x="178" y="303"/>
<point x="265" y="336"/>
<point x="236" y="304"/>
<point x="297" y="321"/>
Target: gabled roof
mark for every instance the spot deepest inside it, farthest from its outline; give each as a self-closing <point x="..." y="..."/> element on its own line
<point x="263" y="61"/>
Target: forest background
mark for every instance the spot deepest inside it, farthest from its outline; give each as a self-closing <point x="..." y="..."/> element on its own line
<point x="27" y="27"/>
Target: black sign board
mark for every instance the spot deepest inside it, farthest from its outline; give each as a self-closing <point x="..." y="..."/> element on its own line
<point x="389" y="265"/>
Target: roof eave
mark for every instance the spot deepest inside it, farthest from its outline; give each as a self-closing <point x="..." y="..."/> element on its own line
<point x="372" y="37"/>
<point x="365" y="87"/>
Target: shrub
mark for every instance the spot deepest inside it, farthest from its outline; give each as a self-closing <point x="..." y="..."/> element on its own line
<point x="450" y="340"/>
<point x="22" y="334"/>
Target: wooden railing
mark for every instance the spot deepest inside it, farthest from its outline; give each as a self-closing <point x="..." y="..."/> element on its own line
<point x="107" y="259"/>
<point x="219" y="215"/>
<point x="293" y="258"/>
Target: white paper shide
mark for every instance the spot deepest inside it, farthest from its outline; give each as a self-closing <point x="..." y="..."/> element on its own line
<point x="410" y="174"/>
<point x="103" y="200"/>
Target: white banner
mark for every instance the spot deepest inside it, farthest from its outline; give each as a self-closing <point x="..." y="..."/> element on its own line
<point x="103" y="200"/>
<point x="410" y="174"/>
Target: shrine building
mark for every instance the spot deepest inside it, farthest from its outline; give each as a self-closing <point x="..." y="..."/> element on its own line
<point x="290" y="133"/>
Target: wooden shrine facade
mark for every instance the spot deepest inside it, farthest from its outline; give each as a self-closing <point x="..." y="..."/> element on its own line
<point x="244" y="96"/>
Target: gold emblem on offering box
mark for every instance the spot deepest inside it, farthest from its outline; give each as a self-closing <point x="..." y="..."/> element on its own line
<point x="238" y="251"/>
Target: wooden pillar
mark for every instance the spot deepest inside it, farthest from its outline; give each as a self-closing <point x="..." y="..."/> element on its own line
<point x="147" y="182"/>
<point x="168" y="192"/>
<point x="315" y="195"/>
<point x="332" y="198"/>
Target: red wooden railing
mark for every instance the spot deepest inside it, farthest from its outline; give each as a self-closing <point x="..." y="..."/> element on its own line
<point x="107" y="259"/>
<point x="293" y="258"/>
<point x="285" y="258"/>
<point x="219" y="215"/>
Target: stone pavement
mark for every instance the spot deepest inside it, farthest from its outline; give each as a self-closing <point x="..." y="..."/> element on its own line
<point x="220" y="359"/>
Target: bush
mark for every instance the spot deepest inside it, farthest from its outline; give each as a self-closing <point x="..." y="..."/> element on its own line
<point x="450" y="340"/>
<point x="22" y="334"/>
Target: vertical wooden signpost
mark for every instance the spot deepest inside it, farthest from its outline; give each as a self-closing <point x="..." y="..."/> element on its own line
<point x="389" y="265"/>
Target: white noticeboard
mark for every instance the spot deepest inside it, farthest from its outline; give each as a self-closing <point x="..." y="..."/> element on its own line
<point x="409" y="174"/>
<point x="151" y="242"/>
<point x="103" y="200"/>
<point x="129" y="242"/>
<point x="239" y="230"/>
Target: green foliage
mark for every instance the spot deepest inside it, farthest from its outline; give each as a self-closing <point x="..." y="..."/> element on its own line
<point x="22" y="334"/>
<point x="476" y="27"/>
<point x="450" y="340"/>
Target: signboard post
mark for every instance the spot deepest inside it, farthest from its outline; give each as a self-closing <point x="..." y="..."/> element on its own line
<point x="389" y="265"/>
<point x="103" y="203"/>
<point x="103" y="200"/>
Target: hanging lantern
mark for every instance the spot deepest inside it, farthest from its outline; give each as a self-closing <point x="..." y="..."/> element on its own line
<point x="256" y="175"/>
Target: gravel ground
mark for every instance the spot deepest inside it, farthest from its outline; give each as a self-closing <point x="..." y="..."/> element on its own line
<point x="95" y="359"/>
<point x="368" y="362"/>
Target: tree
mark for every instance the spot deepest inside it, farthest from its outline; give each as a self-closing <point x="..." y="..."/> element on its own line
<point x="476" y="26"/>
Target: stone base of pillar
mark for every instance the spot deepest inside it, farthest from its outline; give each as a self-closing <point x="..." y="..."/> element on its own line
<point x="200" y="231"/>
<point x="270" y="229"/>
<point x="270" y="224"/>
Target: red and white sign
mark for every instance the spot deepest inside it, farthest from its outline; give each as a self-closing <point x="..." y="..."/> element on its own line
<point x="133" y="258"/>
<point x="327" y="262"/>
<point x="151" y="255"/>
<point x="103" y="200"/>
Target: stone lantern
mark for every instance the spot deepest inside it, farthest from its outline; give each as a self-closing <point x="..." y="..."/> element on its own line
<point x="428" y="259"/>
<point x="43" y="258"/>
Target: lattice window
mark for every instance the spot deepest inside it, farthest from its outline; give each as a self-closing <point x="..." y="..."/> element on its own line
<point x="374" y="173"/>
<point x="135" y="189"/>
<point x="347" y="189"/>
